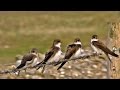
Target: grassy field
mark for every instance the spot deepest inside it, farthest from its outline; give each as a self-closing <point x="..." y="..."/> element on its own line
<point x="21" y="31"/>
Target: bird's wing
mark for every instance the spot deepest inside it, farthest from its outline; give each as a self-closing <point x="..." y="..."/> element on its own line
<point x="48" y="55"/>
<point x="70" y="51"/>
<point x="104" y="48"/>
<point x="27" y="57"/>
<point x="101" y="46"/>
<point x="51" y="53"/>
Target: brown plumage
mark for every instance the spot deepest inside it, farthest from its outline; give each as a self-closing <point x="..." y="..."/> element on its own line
<point x="51" y="53"/>
<point x="27" y="58"/>
<point x="77" y="40"/>
<point x="96" y="43"/>
<point x="104" y="48"/>
<point x="71" y="50"/>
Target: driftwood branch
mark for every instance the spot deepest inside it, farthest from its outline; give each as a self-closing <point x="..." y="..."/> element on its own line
<point x="87" y="55"/>
<point x="54" y="63"/>
<point x="63" y="60"/>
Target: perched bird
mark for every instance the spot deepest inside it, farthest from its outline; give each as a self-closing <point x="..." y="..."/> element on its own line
<point x="54" y="54"/>
<point x="73" y="51"/>
<point x="28" y="60"/>
<point x="97" y="45"/>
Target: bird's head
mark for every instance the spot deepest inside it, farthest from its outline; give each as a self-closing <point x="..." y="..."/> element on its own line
<point x="77" y="41"/>
<point x="94" y="38"/>
<point x="57" y="43"/>
<point x="34" y="50"/>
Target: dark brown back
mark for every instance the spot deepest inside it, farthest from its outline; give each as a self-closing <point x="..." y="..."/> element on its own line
<point x="71" y="49"/>
<point x="51" y="53"/>
<point x="28" y="57"/>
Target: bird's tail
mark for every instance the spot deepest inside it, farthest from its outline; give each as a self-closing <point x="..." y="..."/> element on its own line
<point x="61" y="65"/>
<point x="40" y="64"/>
<point x="113" y="54"/>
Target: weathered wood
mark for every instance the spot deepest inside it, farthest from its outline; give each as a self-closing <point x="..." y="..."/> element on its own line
<point x="115" y="37"/>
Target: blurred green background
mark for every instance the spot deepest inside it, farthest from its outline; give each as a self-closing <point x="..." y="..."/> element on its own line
<point x="20" y="31"/>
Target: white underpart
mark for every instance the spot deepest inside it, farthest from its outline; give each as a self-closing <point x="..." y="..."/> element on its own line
<point x="35" y="62"/>
<point x="58" y="45"/>
<point x="32" y="62"/>
<point x="18" y="62"/>
<point x="78" y="43"/>
<point x="57" y="56"/>
<point x="95" y="49"/>
<point x="79" y="52"/>
<point x="94" y="40"/>
<point x="28" y="63"/>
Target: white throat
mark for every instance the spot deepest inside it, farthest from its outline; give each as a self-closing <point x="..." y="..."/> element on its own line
<point x="77" y="43"/>
<point x="94" y="40"/>
<point x="34" y="53"/>
<point x="58" y="45"/>
<point x="95" y="49"/>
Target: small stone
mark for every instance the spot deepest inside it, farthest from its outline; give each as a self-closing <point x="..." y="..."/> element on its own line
<point x="89" y="72"/>
<point x="86" y="60"/>
<point x="94" y="66"/>
<point x="27" y="76"/>
<point x="83" y="72"/>
<point x="62" y="75"/>
<point x="62" y="72"/>
<point x="36" y="77"/>
<point x="104" y="77"/>
<point x="16" y="73"/>
<point x="104" y="70"/>
<point x="76" y="74"/>
<point x="69" y="67"/>
<point x="98" y="73"/>
<point x="61" y="69"/>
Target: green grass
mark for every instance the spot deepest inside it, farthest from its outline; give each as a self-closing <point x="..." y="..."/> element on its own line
<point x="20" y="31"/>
